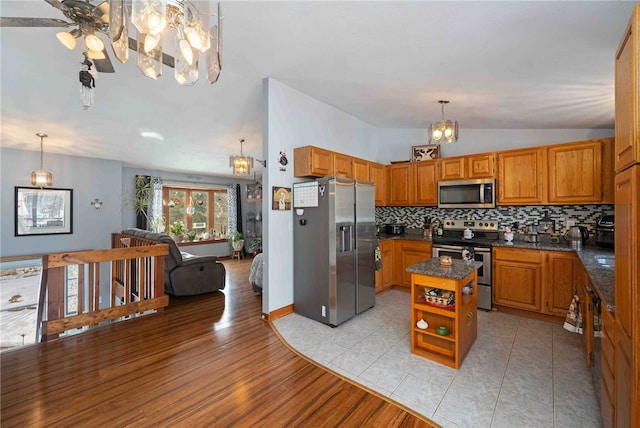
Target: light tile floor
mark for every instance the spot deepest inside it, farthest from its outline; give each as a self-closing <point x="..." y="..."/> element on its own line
<point x="520" y="372"/>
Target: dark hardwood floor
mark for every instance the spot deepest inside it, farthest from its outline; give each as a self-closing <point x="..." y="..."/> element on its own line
<point x="205" y="361"/>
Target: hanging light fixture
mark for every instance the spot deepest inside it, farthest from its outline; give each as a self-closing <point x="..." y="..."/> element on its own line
<point x="446" y="129"/>
<point x="41" y="177"/>
<point x="152" y="20"/>
<point x="241" y="164"/>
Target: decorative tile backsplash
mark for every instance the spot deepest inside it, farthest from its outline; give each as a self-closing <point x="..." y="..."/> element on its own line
<point x="583" y="215"/>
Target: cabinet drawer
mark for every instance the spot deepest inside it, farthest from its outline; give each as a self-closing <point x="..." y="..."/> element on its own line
<point x="519" y="255"/>
<point x="417" y="246"/>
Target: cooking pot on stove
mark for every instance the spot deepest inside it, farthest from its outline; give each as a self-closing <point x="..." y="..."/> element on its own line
<point x="394" y="229"/>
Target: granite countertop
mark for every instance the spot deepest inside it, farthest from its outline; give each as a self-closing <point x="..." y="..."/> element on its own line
<point x="597" y="261"/>
<point x="459" y="269"/>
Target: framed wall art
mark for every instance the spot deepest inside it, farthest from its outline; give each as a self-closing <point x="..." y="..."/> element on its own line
<point x="426" y="152"/>
<point x="281" y="198"/>
<point x="43" y="211"/>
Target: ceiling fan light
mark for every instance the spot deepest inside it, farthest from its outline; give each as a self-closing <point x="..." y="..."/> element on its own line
<point x="151" y="41"/>
<point x="95" y="54"/>
<point x="93" y="42"/>
<point x="149" y="16"/>
<point x="68" y="39"/>
<point x="187" y="51"/>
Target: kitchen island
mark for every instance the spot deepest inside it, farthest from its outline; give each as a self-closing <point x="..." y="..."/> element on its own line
<point x="445" y="298"/>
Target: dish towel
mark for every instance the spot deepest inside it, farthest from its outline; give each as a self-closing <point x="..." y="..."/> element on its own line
<point x="573" y="321"/>
<point x="378" y="257"/>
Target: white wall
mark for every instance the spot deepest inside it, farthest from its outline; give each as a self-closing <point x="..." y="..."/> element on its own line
<point x="89" y="178"/>
<point x="292" y="119"/>
<point x="395" y="143"/>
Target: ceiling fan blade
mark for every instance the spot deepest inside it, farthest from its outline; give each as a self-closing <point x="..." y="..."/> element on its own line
<point x="33" y="22"/>
<point x="58" y="5"/>
<point x="167" y="60"/>
<point x="104" y="65"/>
<point x="101" y="12"/>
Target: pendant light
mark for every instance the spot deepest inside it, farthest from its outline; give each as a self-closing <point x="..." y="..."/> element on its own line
<point x="41" y="177"/>
<point x="241" y="164"/>
<point x="447" y="129"/>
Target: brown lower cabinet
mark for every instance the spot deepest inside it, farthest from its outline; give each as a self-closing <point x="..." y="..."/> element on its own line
<point x="397" y="255"/>
<point x="607" y="380"/>
<point x="542" y="282"/>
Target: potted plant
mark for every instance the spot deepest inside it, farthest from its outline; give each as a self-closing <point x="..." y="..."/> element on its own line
<point x="191" y="235"/>
<point x="177" y="230"/>
<point x="236" y="239"/>
<point x="256" y="245"/>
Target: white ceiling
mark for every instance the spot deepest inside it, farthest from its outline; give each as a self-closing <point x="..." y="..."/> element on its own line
<point x="517" y="64"/>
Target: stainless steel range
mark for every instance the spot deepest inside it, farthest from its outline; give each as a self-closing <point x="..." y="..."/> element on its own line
<point x="470" y="239"/>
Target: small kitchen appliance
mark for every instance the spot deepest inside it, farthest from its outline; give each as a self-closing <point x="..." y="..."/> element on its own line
<point x="394" y="229"/>
<point x="480" y="193"/>
<point x="605" y="231"/>
<point x="577" y="236"/>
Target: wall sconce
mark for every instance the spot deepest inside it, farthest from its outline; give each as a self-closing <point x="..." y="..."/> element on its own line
<point x="96" y="203"/>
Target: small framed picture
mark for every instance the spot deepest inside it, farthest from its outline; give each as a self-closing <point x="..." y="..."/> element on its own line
<point x="426" y="152"/>
<point x="281" y="198"/>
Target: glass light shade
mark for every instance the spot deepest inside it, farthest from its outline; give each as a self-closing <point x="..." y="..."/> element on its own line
<point x="149" y="16"/>
<point x="68" y="39"/>
<point x="214" y="56"/>
<point x="241" y="164"/>
<point x="437" y="133"/>
<point x="186" y="65"/>
<point x="118" y="30"/>
<point x="195" y="32"/>
<point x="149" y="63"/>
<point x="93" y="42"/>
<point x="41" y="178"/>
<point x="95" y="54"/>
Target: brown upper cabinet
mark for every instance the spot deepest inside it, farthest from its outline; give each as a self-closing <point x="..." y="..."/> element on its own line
<point x="413" y="183"/>
<point x="468" y="167"/>
<point x="361" y="169"/>
<point x="627" y="90"/>
<point x="378" y="173"/>
<point x="575" y="173"/>
<point x="401" y="184"/>
<point x="342" y="165"/>
<point x="520" y="176"/>
<point x="309" y="161"/>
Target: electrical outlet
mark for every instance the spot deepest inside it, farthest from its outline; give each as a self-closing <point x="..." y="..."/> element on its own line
<point x="571" y="222"/>
<point x="324" y="311"/>
<point x="100" y="299"/>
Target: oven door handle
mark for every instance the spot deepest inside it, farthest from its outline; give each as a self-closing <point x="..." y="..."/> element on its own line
<point x="447" y="247"/>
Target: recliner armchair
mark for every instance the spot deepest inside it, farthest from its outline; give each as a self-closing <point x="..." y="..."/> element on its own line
<point x="184" y="273"/>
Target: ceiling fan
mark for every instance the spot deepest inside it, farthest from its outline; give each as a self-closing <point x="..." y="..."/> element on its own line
<point x="89" y="19"/>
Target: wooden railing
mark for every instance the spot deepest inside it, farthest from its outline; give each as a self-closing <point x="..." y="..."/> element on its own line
<point x="136" y="285"/>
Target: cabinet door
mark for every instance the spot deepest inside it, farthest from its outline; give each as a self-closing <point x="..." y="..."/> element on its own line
<point x="517" y="278"/>
<point x="426" y="173"/>
<point x="481" y="166"/>
<point x="521" y="174"/>
<point x="452" y="169"/>
<point x="627" y="99"/>
<point x="360" y="169"/>
<point x="575" y="173"/>
<point x="309" y="161"/>
<point x="401" y="184"/>
<point x="560" y="281"/>
<point x="342" y="165"/>
<point x="378" y="174"/>
<point x="407" y="253"/>
<point x="386" y="248"/>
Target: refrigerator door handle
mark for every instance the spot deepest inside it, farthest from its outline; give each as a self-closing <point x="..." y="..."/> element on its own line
<point x="345" y="239"/>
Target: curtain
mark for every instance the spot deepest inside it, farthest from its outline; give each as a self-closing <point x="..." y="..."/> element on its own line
<point x="232" y="208"/>
<point x="156" y="218"/>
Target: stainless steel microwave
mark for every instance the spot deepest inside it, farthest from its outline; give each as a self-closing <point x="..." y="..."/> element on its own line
<point x="467" y="193"/>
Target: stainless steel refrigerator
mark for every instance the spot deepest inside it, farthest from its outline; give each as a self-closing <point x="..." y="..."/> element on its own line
<point x="334" y="236"/>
